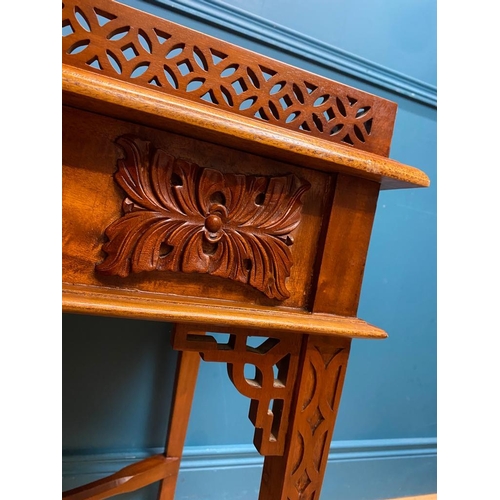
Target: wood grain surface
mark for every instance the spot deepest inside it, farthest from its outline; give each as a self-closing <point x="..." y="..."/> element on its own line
<point x="221" y="190"/>
<point x="112" y="39"/>
<point x="92" y="201"/>
<point x="120" y="99"/>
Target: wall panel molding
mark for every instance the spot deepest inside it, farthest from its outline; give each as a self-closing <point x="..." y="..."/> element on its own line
<point x="280" y="37"/>
<point x="240" y="455"/>
<point x="363" y="464"/>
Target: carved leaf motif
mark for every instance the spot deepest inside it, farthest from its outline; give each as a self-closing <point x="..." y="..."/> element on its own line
<point x="182" y="217"/>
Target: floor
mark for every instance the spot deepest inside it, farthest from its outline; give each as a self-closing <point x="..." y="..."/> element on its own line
<point x="424" y="497"/>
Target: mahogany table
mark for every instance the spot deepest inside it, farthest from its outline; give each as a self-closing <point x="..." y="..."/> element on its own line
<point x="221" y="190"/>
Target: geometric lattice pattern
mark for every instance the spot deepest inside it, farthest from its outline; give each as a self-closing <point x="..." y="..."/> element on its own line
<point x="118" y="41"/>
<point x="275" y="361"/>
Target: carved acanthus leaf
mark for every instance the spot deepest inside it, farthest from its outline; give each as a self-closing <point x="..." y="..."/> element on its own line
<point x="185" y="218"/>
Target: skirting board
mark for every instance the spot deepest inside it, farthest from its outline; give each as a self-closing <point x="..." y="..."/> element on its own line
<point x="357" y="470"/>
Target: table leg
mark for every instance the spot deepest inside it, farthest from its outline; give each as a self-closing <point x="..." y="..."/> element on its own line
<point x="184" y="387"/>
<point x="298" y="473"/>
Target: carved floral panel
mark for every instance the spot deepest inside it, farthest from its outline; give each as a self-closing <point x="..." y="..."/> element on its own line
<point x="178" y="216"/>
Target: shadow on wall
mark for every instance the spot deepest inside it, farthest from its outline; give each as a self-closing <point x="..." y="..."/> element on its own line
<point x="117" y="383"/>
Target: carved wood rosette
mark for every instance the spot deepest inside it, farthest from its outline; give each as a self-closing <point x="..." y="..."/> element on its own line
<point x="303" y="464"/>
<point x="270" y="393"/>
<point x="180" y="217"/>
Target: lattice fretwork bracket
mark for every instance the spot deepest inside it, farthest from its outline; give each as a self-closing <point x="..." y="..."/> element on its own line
<point x="270" y="392"/>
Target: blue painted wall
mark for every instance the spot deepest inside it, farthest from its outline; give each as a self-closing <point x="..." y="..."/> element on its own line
<point x="117" y="374"/>
<point x="397" y="34"/>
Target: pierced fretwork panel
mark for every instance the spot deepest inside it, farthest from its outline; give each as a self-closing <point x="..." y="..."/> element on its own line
<point x="318" y="403"/>
<point x="117" y="41"/>
<point x="303" y="463"/>
<point x="275" y="359"/>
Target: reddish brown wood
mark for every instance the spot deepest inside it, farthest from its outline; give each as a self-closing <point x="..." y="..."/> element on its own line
<point x="221" y="145"/>
<point x="184" y="386"/>
<point x="125" y="101"/>
<point x="92" y="201"/>
<point x="270" y="393"/>
<point x="181" y="217"/>
<point x="345" y="247"/>
<point x="143" y="305"/>
<point x="128" y="479"/>
<point x="298" y="474"/>
<point x="126" y="44"/>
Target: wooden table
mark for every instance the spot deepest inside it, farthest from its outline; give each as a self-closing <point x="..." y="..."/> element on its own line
<point x="220" y="190"/>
